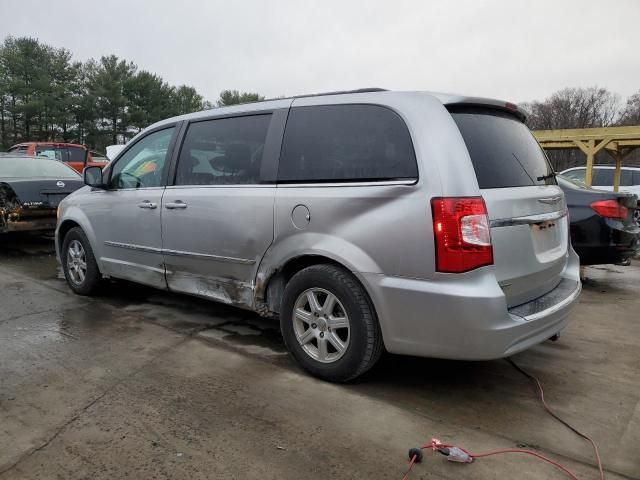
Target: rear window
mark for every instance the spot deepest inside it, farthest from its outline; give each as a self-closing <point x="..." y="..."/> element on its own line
<point x="35" y="168"/>
<point x="338" y="143"/>
<point x="577" y="175"/>
<point x="502" y="149"/>
<point x="18" y="149"/>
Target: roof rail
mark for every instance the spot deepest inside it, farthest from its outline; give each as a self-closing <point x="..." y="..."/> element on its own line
<point x="342" y="92"/>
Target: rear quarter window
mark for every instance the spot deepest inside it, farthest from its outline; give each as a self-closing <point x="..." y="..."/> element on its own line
<point x="503" y="151"/>
<point x="344" y="143"/>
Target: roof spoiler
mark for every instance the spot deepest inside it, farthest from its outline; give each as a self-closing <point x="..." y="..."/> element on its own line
<point x="460" y="101"/>
<point x="511" y="108"/>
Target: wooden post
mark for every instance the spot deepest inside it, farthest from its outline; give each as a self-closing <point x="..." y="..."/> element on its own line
<point x="616" y="176"/>
<point x="590" y="151"/>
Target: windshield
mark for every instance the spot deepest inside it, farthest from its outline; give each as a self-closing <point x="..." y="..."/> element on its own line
<point x="25" y="167"/>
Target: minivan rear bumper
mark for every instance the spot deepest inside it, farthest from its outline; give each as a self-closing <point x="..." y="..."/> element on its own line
<point x="465" y="317"/>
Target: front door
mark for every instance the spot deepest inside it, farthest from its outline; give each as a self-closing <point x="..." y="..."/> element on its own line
<point x="126" y="216"/>
<point x="217" y="219"/>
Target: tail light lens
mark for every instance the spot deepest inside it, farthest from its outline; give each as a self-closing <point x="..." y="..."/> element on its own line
<point x="462" y="235"/>
<point x="610" y="209"/>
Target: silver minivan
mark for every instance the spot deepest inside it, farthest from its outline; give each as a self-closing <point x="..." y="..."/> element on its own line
<point x="420" y="223"/>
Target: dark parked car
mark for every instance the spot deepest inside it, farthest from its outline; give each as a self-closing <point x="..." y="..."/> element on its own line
<point x="602" y="225"/>
<point x="31" y="189"/>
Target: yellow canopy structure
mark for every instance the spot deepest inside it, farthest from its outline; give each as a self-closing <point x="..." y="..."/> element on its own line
<point x="619" y="142"/>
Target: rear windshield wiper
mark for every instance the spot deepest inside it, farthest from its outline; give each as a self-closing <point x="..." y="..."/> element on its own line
<point x="547" y="177"/>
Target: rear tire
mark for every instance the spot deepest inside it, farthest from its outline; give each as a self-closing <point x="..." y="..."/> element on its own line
<point x="79" y="264"/>
<point x="329" y="325"/>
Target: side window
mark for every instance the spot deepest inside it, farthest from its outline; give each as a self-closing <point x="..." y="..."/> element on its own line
<point x="50" y="152"/>
<point x="626" y="178"/>
<point x="338" y="143"/>
<point x="74" y="154"/>
<point x="143" y="164"/>
<point x="636" y="177"/>
<point x="225" y="151"/>
<point x="602" y="177"/>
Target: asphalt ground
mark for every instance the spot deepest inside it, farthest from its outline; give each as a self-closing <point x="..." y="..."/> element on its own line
<point x="140" y="383"/>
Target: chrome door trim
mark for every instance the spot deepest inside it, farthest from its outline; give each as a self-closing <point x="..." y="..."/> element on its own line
<point x="373" y="183"/>
<point x="131" y="246"/>
<point x="528" y="219"/>
<point x="181" y="253"/>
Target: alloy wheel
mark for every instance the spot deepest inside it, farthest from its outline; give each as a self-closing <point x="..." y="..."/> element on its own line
<point x="76" y="262"/>
<point x="321" y="325"/>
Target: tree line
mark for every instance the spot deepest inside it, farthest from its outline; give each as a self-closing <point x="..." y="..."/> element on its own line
<point x="47" y="96"/>
<point x="583" y="108"/>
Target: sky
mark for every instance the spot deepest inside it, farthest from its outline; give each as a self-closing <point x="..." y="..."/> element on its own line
<point x="516" y="50"/>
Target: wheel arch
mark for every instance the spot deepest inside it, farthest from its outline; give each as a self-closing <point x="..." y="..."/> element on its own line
<point x="74" y="217"/>
<point x="63" y="229"/>
<point x="272" y="288"/>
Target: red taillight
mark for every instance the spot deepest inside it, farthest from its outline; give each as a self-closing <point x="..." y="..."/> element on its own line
<point x="461" y="231"/>
<point x="610" y="209"/>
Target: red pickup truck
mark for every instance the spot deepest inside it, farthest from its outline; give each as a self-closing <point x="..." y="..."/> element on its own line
<point x="74" y="155"/>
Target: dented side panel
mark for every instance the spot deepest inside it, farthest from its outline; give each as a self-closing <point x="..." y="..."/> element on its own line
<point x="363" y="227"/>
<point x="212" y="248"/>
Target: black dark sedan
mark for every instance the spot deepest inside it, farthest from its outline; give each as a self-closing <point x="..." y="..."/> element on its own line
<point x="602" y="225"/>
<point x="31" y="189"/>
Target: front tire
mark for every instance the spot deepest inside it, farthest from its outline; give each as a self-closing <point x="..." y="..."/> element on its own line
<point x="79" y="264"/>
<point x="328" y="323"/>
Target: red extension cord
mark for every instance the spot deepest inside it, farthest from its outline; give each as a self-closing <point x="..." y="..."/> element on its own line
<point x="436" y="445"/>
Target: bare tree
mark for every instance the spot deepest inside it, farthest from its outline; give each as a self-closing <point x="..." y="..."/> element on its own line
<point x="631" y="112"/>
<point x="574" y="108"/>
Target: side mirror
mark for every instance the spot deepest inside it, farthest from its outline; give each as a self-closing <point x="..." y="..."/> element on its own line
<point x="93" y="177"/>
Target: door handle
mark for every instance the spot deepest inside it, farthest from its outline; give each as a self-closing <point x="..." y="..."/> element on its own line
<point x="148" y="204"/>
<point x="175" y="205"/>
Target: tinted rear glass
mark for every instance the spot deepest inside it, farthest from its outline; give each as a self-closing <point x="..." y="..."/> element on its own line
<point x="346" y="143"/>
<point x="502" y="149"/>
<point x="34" y="168"/>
